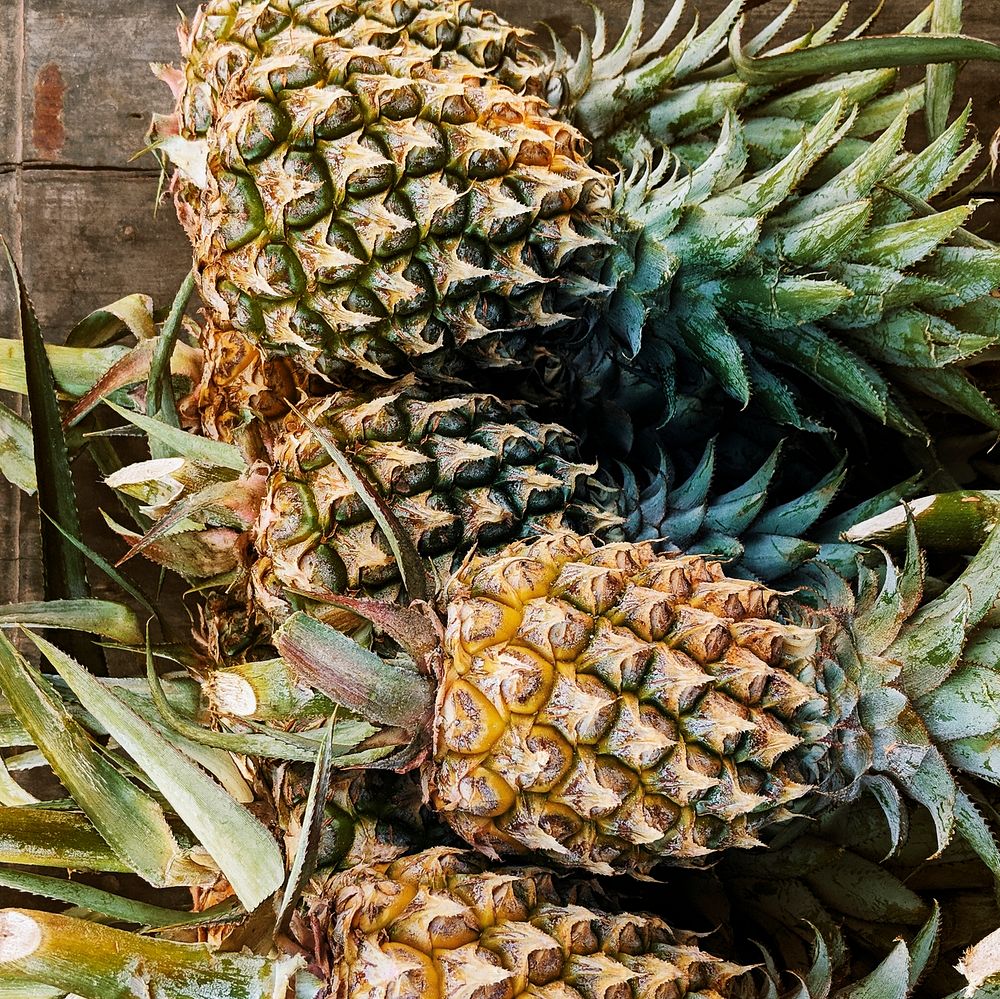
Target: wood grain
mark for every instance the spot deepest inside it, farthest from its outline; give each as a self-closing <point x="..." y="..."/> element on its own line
<point x="78" y="208"/>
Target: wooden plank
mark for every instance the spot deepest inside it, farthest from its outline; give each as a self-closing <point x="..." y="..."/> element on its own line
<point x="88" y="88"/>
<point x="11" y="53"/>
<point x="90" y="237"/>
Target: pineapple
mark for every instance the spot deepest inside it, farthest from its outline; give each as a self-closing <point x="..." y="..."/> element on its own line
<point x="438" y="923"/>
<point x="378" y="189"/>
<point x="457" y="474"/>
<point x="611" y="708"/>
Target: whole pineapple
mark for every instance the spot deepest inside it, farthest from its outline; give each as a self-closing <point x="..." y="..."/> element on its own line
<point x="436" y="924"/>
<point x="456" y="474"/>
<point x="611" y="708"/>
<point x="380" y="188"/>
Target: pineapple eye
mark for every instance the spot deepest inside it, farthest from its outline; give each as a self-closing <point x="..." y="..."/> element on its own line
<point x="268" y="24"/>
<point x="485" y="164"/>
<point x="317" y="202"/>
<point x="468" y="723"/>
<point x="303" y="73"/>
<point x="399" y="104"/>
<point x="343" y="115"/>
<point x="281" y="272"/>
<point x="243" y="219"/>
<point x="263" y="127"/>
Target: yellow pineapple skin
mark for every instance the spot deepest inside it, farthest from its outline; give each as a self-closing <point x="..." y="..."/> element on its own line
<point x="608" y="707"/>
<point x="437" y="925"/>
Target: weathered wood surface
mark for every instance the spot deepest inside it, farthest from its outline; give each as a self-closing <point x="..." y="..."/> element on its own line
<point x="76" y="93"/>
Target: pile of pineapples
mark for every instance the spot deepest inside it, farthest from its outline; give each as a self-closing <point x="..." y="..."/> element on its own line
<point x="534" y="607"/>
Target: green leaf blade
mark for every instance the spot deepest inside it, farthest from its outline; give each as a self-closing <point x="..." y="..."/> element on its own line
<point x="257" y="870"/>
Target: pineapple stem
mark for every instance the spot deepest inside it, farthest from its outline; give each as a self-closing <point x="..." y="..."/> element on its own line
<point x="958" y="521"/>
<point x="98" y="962"/>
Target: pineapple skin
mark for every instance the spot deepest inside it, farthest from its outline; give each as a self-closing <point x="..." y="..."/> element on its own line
<point x="609" y="708"/>
<point x="441" y="924"/>
<point x="368" y="189"/>
<point x="458" y="473"/>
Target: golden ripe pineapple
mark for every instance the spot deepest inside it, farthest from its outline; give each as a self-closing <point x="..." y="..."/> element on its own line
<point x="611" y="708"/>
<point x="442" y="923"/>
<point x="602" y="702"/>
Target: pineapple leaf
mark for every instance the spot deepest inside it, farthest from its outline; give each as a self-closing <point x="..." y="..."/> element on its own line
<point x="796" y="516"/>
<point x="410" y="629"/>
<point x="977" y="833"/>
<point x="17" y="458"/>
<point x="382" y="692"/>
<point x="124" y="910"/>
<point x="890" y="980"/>
<point x="946" y="19"/>
<point x="131" y="822"/>
<point x="199" y="449"/>
<point x="128" y="369"/>
<point x="708" y="337"/>
<point x="890" y="801"/>
<point x="205" y="554"/>
<point x="160" y="402"/>
<point x="952" y="387"/>
<point x="219" y="499"/>
<point x="64" y="568"/>
<point x="75" y="369"/>
<point x="304" y="862"/>
<point x="113" y="574"/>
<point x="21" y="989"/>
<point x="103" y="326"/>
<point x="11" y="793"/>
<point x="218" y="821"/>
<point x="89" y="959"/>
<point x="47" y="838"/>
<point x="852" y="55"/>
<point x="928" y="644"/>
<point x="97" y="617"/>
